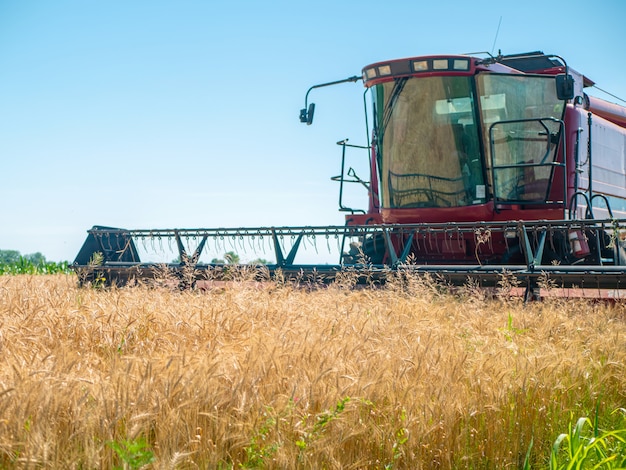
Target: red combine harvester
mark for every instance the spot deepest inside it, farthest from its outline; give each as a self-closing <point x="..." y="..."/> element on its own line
<point x="479" y="166"/>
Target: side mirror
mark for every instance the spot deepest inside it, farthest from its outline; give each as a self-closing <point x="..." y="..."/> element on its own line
<point x="564" y="86"/>
<point x="307" y="115"/>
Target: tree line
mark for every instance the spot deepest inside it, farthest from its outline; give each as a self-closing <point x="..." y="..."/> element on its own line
<point x="13" y="262"/>
<point x="14" y="256"/>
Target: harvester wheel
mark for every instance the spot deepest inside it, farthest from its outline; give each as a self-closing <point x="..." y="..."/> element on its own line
<point x="374" y="249"/>
<point x="370" y="251"/>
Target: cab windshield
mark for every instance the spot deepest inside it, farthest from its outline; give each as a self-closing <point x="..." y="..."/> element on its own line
<point x="429" y="146"/>
<point x="427" y="143"/>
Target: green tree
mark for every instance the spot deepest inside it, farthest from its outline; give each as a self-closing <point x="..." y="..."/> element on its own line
<point x="9" y="256"/>
<point x="36" y="258"/>
<point x="229" y="258"/>
<point x="233" y="258"/>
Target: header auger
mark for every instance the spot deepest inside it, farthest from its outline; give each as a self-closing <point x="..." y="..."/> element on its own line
<point x="479" y="167"/>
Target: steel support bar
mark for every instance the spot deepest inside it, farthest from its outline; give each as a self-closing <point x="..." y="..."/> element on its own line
<point x="280" y="258"/>
<point x="533" y="257"/>
<point x="354" y="230"/>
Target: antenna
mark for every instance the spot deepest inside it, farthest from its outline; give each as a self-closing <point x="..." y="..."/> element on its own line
<point x="496" y="38"/>
<point x="610" y="94"/>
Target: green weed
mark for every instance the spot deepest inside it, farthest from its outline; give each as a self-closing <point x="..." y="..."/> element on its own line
<point x="594" y="449"/>
<point x="260" y="447"/>
<point x="134" y="453"/>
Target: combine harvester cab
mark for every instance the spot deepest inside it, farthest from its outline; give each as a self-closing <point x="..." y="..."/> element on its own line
<point x="462" y="140"/>
<point x="478" y="166"/>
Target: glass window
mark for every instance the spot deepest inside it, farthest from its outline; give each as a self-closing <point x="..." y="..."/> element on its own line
<point x="427" y="143"/>
<point x="519" y="134"/>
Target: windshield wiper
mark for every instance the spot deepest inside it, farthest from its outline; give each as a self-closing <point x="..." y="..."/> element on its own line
<point x="391" y="104"/>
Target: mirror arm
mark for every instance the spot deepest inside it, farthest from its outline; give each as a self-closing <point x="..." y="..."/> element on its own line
<point x="306" y="114"/>
<point x="565" y="85"/>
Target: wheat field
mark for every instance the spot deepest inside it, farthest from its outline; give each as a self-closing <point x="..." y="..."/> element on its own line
<point x="247" y="375"/>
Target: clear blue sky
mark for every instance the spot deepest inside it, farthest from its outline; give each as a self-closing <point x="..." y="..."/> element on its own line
<point x="184" y="113"/>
